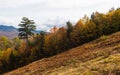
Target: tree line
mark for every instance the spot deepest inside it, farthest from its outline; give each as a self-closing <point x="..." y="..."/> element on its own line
<point x="29" y="47"/>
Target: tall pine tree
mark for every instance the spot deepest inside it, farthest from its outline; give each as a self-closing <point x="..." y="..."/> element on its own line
<point x="27" y="28"/>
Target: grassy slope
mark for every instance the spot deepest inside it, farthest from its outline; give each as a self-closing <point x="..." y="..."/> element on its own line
<point x="99" y="57"/>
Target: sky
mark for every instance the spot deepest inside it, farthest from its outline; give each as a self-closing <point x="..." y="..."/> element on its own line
<point x="47" y="13"/>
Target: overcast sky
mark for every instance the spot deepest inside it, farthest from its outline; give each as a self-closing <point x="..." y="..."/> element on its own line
<point x="45" y="12"/>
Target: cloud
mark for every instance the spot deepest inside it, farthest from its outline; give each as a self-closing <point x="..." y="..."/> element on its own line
<point x="6" y="21"/>
<point x="54" y="3"/>
<point x="17" y="3"/>
<point x="48" y="13"/>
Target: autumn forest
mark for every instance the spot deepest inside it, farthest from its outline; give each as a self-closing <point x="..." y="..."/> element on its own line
<point x="30" y="46"/>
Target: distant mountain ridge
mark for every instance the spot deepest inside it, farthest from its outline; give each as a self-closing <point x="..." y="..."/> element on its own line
<point x="11" y="31"/>
<point x="7" y="28"/>
<point x="8" y="31"/>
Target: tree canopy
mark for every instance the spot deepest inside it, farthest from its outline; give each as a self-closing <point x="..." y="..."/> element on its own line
<point x="26" y="28"/>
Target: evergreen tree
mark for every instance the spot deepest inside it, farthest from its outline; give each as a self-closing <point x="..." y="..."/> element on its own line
<point x="27" y="28"/>
<point x="41" y="41"/>
<point x="69" y="29"/>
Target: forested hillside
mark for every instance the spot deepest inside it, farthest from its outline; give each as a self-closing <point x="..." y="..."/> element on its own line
<point x="19" y="52"/>
<point x="98" y="57"/>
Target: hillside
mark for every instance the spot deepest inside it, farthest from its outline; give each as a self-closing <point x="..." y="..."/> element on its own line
<point x="99" y="57"/>
<point x="7" y="28"/>
<point x="8" y="31"/>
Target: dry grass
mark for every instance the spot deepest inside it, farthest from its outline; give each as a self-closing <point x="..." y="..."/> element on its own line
<point x="100" y="57"/>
